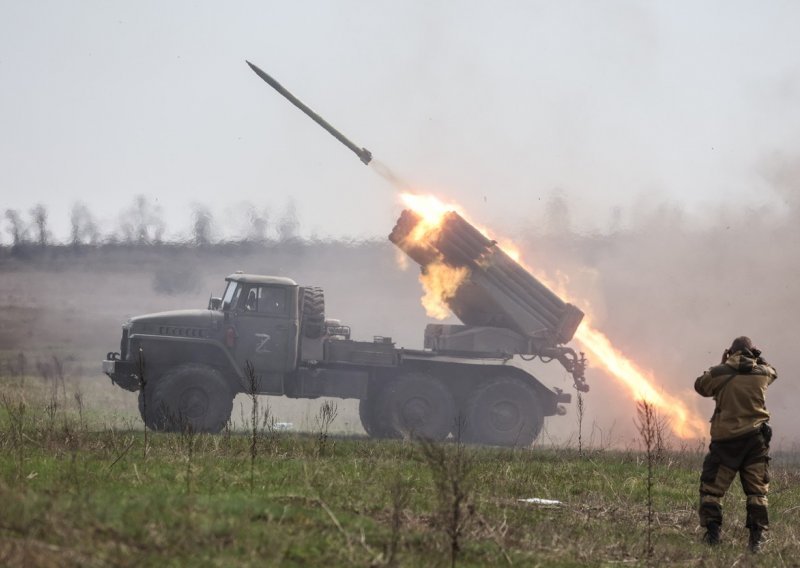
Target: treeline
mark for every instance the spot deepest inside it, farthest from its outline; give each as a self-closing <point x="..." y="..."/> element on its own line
<point x="141" y="223"/>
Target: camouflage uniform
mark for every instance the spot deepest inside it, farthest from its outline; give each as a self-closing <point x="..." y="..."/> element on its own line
<point x="739" y="438"/>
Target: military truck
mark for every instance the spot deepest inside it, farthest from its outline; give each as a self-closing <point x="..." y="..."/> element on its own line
<point x="188" y="365"/>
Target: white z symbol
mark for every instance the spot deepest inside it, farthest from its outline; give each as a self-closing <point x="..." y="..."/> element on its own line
<point x="262" y="347"/>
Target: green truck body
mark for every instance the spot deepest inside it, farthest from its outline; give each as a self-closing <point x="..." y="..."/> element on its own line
<point x="188" y="365"/>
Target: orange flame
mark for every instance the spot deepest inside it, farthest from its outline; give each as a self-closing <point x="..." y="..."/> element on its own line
<point x="640" y="385"/>
<point x="441" y="281"/>
<point x="431" y="211"/>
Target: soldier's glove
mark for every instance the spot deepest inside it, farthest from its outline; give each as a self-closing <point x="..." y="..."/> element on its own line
<point x="759" y="359"/>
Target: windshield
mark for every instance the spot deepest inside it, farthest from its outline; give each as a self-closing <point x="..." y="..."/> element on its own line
<point x="231" y="295"/>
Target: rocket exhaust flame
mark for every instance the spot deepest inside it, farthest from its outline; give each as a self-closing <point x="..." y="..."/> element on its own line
<point x="441" y="281"/>
<point x="639" y="385"/>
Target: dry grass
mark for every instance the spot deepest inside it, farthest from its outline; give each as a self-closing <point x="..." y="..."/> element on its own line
<point x="77" y="493"/>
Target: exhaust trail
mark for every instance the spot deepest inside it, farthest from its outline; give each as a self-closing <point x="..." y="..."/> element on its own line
<point x="398" y="183"/>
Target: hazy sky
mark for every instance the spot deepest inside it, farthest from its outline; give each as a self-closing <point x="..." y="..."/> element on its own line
<point x="493" y="104"/>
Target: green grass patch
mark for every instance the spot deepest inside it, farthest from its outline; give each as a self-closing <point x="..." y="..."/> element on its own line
<point x="76" y="493"/>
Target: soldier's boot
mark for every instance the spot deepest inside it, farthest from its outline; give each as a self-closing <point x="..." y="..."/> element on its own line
<point x="712" y="537"/>
<point x="710" y="518"/>
<point x="758" y="523"/>
<point x="757" y="540"/>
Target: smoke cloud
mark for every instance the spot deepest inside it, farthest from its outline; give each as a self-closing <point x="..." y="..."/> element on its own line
<point x="675" y="288"/>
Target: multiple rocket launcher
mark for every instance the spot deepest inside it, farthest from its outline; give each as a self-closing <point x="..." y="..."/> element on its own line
<point x="498" y="291"/>
<point x="506" y="311"/>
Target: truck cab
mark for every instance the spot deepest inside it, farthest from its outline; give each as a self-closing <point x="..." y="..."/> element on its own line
<point x="189" y="364"/>
<point x="261" y="316"/>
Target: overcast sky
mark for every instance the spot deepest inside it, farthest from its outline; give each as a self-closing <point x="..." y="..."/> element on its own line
<point x="492" y="104"/>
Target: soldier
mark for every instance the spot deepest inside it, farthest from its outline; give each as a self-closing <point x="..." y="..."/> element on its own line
<point x="740" y="436"/>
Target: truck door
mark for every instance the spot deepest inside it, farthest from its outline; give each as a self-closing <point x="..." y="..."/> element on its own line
<point x="266" y="329"/>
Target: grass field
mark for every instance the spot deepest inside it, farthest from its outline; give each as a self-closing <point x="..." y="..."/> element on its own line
<point x="77" y="493"/>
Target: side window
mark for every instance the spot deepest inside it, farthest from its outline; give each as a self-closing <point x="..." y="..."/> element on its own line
<point x="265" y="300"/>
<point x="272" y="300"/>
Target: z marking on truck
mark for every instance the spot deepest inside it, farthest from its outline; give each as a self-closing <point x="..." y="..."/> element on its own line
<point x="262" y="346"/>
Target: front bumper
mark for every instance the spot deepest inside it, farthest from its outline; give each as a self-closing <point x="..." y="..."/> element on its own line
<point x="121" y="373"/>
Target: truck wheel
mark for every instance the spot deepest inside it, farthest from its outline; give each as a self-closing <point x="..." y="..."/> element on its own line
<point x="503" y="412"/>
<point x="313" y="322"/>
<point x="418" y="405"/>
<point x="365" y="414"/>
<point x="371" y="420"/>
<point x="190" y="395"/>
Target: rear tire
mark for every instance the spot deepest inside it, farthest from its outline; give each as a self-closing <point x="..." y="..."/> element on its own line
<point x="187" y="396"/>
<point x="503" y="412"/>
<point x="418" y="405"/>
<point x="371" y="420"/>
<point x="313" y="322"/>
<point x="365" y="415"/>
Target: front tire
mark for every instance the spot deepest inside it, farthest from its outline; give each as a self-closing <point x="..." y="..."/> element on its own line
<point x="187" y="396"/>
<point x="503" y="412"/>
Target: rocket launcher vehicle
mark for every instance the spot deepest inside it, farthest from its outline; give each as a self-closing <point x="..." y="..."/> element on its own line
<point x="505" y="310"/>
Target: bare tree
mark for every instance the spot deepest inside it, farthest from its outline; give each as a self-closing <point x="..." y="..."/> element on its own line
<point x="83" y="228"/>
<point x="202" y="222"/>
<point x="258" y="224"/>
<point x="289" y="225"/>
<point x="16" y="228"/>
<point x="39" y="215"/>
<point x="142" y="222"/>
